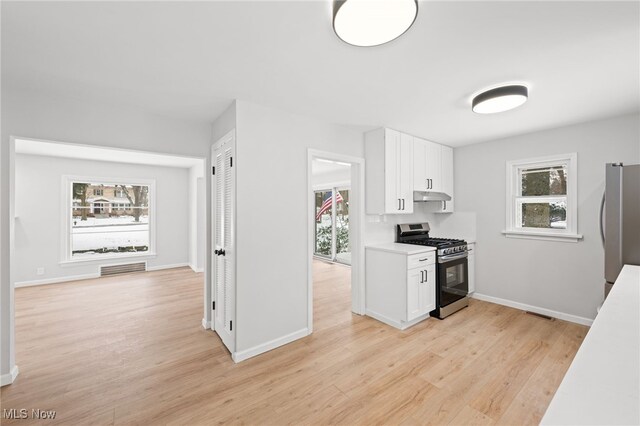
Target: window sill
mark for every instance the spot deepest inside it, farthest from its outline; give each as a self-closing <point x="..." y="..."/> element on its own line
<point x="546" y="236"/>
<point x="72" y="262"/>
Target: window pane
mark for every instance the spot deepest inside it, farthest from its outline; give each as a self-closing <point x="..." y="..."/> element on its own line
<point x="550" y="214"/>
<point x="343" y="251"/>
<point x="323" y="223"/>
<point x="102" y="226"/>
<point x="544" y="181"/>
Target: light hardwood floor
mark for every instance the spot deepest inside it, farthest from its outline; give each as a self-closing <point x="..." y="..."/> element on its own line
<point x="130" y="350"/>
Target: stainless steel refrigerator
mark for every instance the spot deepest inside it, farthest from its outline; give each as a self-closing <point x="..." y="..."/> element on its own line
<point x="620" y="220"/>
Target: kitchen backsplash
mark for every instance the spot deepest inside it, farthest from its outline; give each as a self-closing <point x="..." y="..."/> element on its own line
<point x="380" y="229"/>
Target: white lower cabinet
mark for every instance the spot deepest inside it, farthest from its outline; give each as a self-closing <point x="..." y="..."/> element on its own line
<point x="400" y="284"/>
<point x="471" y="261"/>
<point x="421" y="291"/>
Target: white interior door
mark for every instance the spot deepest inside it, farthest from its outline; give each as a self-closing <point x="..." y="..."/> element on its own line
<point x="223" y="288"/>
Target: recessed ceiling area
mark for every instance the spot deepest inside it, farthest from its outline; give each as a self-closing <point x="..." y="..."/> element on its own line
<point x="94" y="153"/>
<point x="188" y="60"/>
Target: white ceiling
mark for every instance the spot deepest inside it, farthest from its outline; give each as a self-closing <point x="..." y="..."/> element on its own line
<point x="188" y="60"/>
<point x="87" y="152"/>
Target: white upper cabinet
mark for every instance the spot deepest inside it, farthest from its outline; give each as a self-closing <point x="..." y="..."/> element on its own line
<point x="427" y="168"/>
<point x="389" y="172"/>
<point x="420" y="182"/>
<point x="433" y="170"/>
<point x="447" y="177"/>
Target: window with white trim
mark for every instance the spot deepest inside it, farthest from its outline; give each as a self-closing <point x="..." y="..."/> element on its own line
<point x="98" y="227"/>
<point x="542" y="197"/>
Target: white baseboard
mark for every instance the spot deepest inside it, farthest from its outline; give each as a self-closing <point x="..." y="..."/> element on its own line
<point x="401" y="325"/>
<point x="161" y="267"/>
<point x="384" y="319"/>
<point x="267" y="346"/>
<point x="196" y="270"/>
<point x="206" y="324"/>
<point x="7" y="379"/>
<point x="538" y="310"/>
<point x="56" y="280"/>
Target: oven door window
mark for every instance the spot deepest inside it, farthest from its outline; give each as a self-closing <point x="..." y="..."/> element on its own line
<point x="453" y="281"/>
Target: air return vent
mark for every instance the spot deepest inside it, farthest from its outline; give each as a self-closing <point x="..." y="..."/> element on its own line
<point x="540" y="315"/>
<point x="125" y="268"/>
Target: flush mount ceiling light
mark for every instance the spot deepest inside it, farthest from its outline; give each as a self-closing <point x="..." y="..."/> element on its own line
<point x="500" y="99"/>
<point x="368" y="23"/>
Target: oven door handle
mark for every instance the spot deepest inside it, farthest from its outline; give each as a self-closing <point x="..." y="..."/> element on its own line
<point x="447" y="258"/>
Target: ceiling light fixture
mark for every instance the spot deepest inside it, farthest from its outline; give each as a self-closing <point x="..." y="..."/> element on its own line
<point x="367" y="23"/>
<point x="500" y="99"/>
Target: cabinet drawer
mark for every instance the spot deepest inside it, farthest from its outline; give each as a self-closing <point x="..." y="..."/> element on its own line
<point x="420" y="260"/>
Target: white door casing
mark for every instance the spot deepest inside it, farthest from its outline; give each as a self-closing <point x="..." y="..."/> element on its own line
<point x="223" y="283"/>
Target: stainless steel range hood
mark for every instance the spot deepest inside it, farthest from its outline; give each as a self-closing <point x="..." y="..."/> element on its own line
<point x="423" y="196"/>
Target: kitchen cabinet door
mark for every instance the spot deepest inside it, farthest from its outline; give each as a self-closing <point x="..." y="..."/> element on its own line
<point x="392" y="165"/>
<point x="434" y="166"/>
<point x="421" y="291"/>
<point x="414" y="290"/>
<point x="388" y="172"/>
<point x="405" y="186"/>
<point x="419" y="164"/>
<point x="428" y="290"/>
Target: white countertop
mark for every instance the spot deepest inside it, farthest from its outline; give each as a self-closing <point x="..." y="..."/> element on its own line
<point x="401" y="248"/>
<point x="602" y="385"/>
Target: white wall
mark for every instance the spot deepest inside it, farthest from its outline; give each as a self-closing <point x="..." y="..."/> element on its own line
<point x="559" y="276"/>
<point x="201" y="227"/>
<point x="272" y="217"/>
<point x="39" y="201"/>
<point x="197" y="214"/>
<point x="30" y="114"/>
<point x="339" y="177"/>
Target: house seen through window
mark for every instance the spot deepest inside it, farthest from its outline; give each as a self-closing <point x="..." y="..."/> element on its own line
<point x="108" y="219"/>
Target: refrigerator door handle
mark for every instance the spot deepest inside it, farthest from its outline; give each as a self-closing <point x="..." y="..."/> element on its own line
<point x="602" y="218"/>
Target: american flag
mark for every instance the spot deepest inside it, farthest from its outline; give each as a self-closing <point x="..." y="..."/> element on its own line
<point x="326" y="204"/>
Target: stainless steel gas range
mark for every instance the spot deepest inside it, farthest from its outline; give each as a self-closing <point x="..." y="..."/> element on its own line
<point x="452" y="284"/>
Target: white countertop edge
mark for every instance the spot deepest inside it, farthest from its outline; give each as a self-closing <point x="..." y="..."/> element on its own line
<point x="401" y="248"/>
<point x="602" y="385"/>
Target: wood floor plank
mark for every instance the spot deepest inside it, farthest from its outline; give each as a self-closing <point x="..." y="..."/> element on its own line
<point x="130" y="350"/>
<point x="529" y="405"/>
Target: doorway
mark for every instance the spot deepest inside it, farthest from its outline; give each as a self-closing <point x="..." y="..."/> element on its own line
<point x="332" y="224"/>
<point x="336" y="254"/>
<point x="69" y="252"/>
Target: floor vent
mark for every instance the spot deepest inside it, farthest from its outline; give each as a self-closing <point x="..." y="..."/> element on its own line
<point x="540" y="315"/>
<point x="125" y="268"/>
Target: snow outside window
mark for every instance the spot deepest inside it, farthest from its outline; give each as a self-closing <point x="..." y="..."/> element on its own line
<point x="102" y="225"/>
<point x="541" y="198"/>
